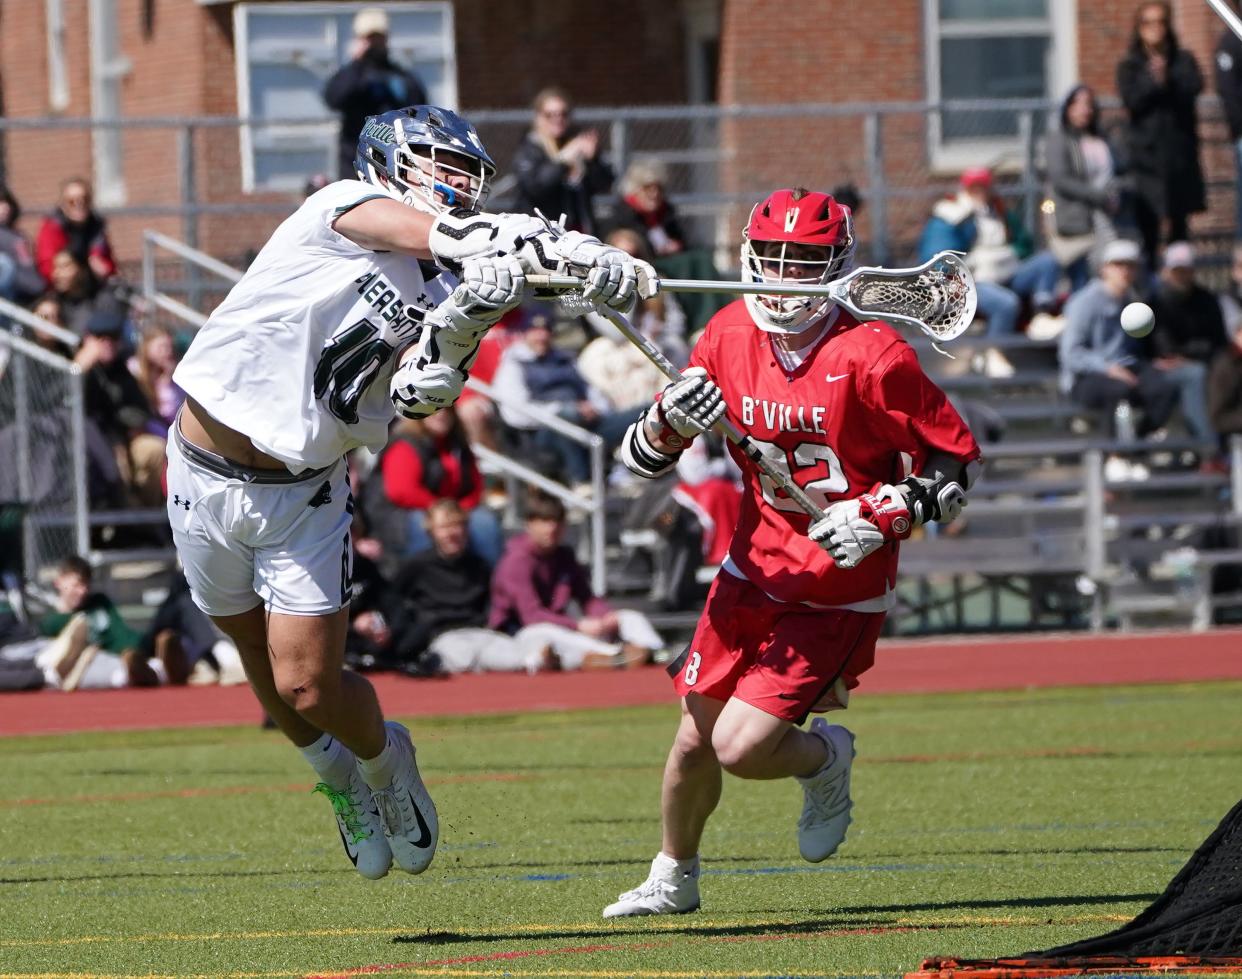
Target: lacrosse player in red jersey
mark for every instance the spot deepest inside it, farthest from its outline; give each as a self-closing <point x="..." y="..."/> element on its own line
<point x="792" y="619"/>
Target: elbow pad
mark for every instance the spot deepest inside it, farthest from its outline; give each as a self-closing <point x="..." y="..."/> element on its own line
<point x="640" y="457"/>
<point x="938" y="498"/>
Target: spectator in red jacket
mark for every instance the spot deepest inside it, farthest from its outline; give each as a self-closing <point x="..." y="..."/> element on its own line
<point x="75" y="227"/>
<point x="429" y="459"/>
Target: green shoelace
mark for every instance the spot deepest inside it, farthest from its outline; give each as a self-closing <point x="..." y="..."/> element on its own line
<point x="346" y="811"/>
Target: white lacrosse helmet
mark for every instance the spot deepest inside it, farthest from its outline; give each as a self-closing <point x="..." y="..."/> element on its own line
<point x="795" y="236"/>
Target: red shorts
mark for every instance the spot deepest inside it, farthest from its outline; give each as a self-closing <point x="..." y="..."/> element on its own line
<point x="782" y="658"/>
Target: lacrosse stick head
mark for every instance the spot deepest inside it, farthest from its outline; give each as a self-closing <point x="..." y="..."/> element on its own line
<point x="938" y="297"/>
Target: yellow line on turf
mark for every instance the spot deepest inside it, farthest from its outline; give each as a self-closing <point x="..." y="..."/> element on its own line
<point x="647" y="926"/>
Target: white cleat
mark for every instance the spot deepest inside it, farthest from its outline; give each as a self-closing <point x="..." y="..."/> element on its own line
<point x="667" y="890"/>
<point x="358" y="820"/>
<point x="408" y="814"/>
<point x="826" y="795"/>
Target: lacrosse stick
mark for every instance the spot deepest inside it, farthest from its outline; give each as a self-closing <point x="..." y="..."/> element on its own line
<point x="724" y="426"/>
<point x="937" y="297"/>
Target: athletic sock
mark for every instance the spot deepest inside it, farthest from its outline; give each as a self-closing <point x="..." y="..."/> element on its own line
<point x="331" y="760"/>
<point x="673" y="869"/>
<point x="378" y="772"/>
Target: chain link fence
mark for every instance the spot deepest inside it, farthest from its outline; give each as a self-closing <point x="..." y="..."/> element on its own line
<point x="183" y="176"/>
<point x="43" y="490"/>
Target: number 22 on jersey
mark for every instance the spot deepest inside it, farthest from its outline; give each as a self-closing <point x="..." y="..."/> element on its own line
<point x="798" y="463"/>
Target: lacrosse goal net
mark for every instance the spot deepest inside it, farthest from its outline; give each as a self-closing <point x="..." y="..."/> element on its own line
<point x="1195" y="926"/>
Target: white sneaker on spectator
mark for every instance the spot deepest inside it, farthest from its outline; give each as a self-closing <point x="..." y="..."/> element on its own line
<point x="1118" y="469"/>
<point x="1045" y="326"/>
<point x="996" y="364"/>
<point x="406" y="810"/>
<point x="826" y="801"/>
<point x="358" y="821"/>
<point x="670" y="888"/>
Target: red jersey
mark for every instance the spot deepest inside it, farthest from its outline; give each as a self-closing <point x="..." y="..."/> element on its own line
<point x="840" y="422"/>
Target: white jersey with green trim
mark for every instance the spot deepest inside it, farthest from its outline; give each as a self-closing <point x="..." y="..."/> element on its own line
<point x="300" y="354"/>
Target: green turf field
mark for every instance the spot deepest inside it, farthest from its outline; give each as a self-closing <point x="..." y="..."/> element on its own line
<point x="985" y="824"/>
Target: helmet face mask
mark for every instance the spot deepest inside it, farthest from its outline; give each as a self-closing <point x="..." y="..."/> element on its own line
<point x="426" y="157"/>
<point x="795" y="237"/>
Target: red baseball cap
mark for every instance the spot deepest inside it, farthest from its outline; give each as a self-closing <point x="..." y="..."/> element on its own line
<point x="977" y="177"/>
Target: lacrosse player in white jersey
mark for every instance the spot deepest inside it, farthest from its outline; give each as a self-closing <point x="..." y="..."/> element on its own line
<point x="372" y="296"/>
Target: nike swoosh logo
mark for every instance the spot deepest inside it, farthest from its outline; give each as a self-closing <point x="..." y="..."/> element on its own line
<point x="835" y="377"/>
<point x="349" y="851"/>
<point x="424" y="839"/>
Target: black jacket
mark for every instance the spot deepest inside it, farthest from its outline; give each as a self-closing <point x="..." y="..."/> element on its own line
<point x="447" y="593"/>
<point x="1162" y="136"/>
<point x="1188" y="324"/>
<point x="367" y="87"/>
<point x="543" y="184"/>
<point x="1228" y="63"/>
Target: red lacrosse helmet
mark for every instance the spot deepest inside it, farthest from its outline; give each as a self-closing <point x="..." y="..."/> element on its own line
<point x="797" y="236"/>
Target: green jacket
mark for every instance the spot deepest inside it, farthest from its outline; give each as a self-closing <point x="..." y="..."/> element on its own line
<point x="108" y="630"/>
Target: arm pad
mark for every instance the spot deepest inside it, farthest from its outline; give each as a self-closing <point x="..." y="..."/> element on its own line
<point x="640" y="457"/>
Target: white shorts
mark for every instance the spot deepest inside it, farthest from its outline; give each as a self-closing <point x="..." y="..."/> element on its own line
<point x="240" y="536"/>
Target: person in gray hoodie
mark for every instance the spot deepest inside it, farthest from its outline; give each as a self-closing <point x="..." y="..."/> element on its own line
<point x="1101" y="365"/>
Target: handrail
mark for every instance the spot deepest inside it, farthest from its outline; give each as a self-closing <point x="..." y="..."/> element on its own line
<point x="191" y="254"/>
<point x="34" y="351"/>
<point x="28" y="318"/>
<point x="551" y="419"/>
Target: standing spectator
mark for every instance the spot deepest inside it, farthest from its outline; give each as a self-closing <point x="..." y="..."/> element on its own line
<point x="1100" y="365"/>
<point x="999" y="251"/>
<point x="117" y="410"/>
<point x="558" y="166"/>
<point x="1082" y="186"/>
<point x="540" y="583"/>
<point x="429" y="459"/>
<point x="1228" y="61"/>
<point x="154" y="363"/>
<point x="20" y="281"/>
<point x="532" y="370"/>
<point x="1224" y="388"/>
<point x="75" y="227"/>
<point x="1158" y="81"/>
<point x="646" y="208"/>
<point x="371" y="83"/>
<point x="1188" y="335"/>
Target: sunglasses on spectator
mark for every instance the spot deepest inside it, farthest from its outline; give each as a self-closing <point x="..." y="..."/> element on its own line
<point x="1150" y="21"/>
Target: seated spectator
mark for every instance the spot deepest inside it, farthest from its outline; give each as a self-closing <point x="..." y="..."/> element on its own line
<point x="1188" y="334"/>
<point x="645" y="208"/>
<point x="1101" y="366"/>
<point x="428" y="459"/>
<point x="532" y="370"/>
<point x="1231" y="298"/>
<point x="188" y="647"/>
<point x="118" y="413"/>
<point x="74" y="289"/>
<point x="90" y="645"/>
<point x="1224" y="387"/>
<point x="75" y="227"/>
<point x="382" y="625"/>
<point x="539" y="584"/>
<point x="48" y="308"/>
<point x="1084" y="191"/>
<point x="998" y="250"/>
<point x="558" y="166"/>
<point x="619" y="370"/>
<point x="153" y="366"/>
<point x="20" y="281"/>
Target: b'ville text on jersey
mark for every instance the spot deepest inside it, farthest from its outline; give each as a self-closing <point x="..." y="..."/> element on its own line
<point x="783" y="417"/>
<point x="386" y="301"/>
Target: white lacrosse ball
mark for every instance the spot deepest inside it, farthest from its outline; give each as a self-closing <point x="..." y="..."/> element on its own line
<point x="1137" y="319"/>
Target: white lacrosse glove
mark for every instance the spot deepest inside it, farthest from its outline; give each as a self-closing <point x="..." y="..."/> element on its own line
<point x="489" y="287"/>
<point x="462" y="234"/>
<point x="851" y="530"/>
<point x="614" y="278"/>
<point x="685" y="409"/>
<point x="420" y="388"/>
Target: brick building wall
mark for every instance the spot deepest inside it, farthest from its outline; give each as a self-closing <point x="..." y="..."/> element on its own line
<point x="623" y="52"/>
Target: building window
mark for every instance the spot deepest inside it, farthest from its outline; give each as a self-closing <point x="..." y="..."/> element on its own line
<point x="108" y="70"/>
<point x="993" y="49"/>
<point x="285" y="54"/>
